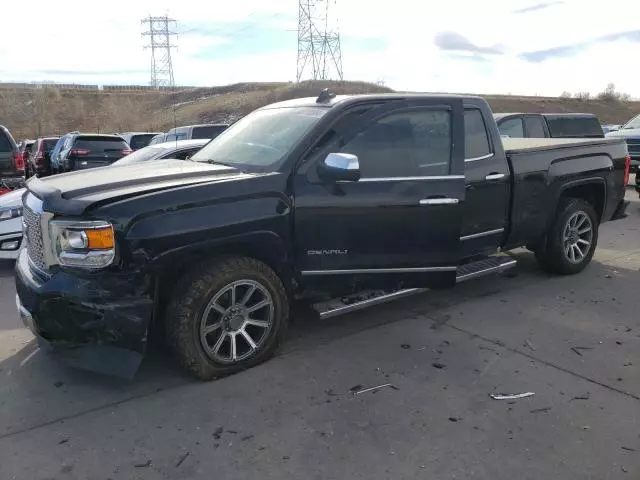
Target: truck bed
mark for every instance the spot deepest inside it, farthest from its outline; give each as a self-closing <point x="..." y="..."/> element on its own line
<point x="526" y="145"/>
<point x="539" y="167"/>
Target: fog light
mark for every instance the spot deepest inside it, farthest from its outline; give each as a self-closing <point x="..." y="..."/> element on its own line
<point x="12" y="245"/>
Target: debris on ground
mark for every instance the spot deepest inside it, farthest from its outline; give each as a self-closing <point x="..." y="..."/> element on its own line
<point x="373" y="389"/>
<point x="438" y="365"/>
<point x="577" y="350"/>
<point x="183" y="458"/>
<point x="58" y="384"/>
<point x="218" y="433"/>
<point x="541" y="410"/>
<point x="355" y="388"/>
<point x="527" y="343"/>
<point x="64" y="440"/>
<point x="454" y="419"/>
<point x="628" y="449"/>
<point x="146" y="464"/>
<point x="586" y="396"/>
<point x="510" y="396"/>
<point x="406" y="346"/>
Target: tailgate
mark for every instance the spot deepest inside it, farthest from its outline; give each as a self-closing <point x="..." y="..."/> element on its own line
<point x="91" y="152"/>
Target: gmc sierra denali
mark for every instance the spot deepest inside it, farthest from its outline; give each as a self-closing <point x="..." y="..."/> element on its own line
<point x="303" y="199"/>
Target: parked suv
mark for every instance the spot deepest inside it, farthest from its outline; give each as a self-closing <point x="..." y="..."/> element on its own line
<point x="24" y="151"/>
<point x="138" y="140"/>
<point x="11" y="164"/>
<point x="39" y="160"/>
<point x="81" y="151"/>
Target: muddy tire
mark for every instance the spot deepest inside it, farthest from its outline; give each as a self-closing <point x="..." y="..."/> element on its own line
<point x="572" y="238"/>
<point x="226" y="316"/>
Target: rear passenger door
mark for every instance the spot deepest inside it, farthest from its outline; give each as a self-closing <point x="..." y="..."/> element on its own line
<point x="484" y="216"/>
<point x="400" y="222"/>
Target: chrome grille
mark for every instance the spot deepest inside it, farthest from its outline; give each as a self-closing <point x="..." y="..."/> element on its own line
<point x="33" y="233"/>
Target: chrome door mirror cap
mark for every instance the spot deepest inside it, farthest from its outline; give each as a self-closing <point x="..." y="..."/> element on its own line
<point x="340" y="167"/>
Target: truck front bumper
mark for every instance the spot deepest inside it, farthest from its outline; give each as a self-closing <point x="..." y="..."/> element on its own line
<point x="94" y="321"/>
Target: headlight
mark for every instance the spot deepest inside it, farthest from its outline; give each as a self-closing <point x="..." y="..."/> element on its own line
<point x="9" y="213"/>
<point x="83" y="244"/>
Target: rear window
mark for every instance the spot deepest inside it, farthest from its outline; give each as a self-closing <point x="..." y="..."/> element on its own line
<point x="100" y="144"/>
<point x="210" y="131"/>
<point x="5" y="144"/>
<point x="476" y="139"/>
<point x="140" y="141"/>
<point x="568" y="126"/>
<point x="50" y="144"/>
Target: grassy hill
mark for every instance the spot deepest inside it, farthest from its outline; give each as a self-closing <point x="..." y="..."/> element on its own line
<point x="48" y="109"/>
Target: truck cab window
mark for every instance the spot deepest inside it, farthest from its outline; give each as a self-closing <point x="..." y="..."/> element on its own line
<point x="512" y="127"/>
<point x="534" y="127"/>
<point x="407" y="144"/>
<point x="476" y="140"/>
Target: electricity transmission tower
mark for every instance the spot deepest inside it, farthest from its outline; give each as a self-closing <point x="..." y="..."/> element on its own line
<point x="318" y="41"/>
<point x="159" y="32"/>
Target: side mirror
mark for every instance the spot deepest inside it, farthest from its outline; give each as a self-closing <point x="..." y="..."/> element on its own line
<point x="339" y="167"/>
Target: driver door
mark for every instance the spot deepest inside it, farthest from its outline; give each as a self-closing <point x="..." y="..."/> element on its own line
<point x="396" y="222"/>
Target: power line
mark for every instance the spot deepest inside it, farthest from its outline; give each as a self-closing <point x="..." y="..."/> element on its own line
<point x="159" y="32"/>
<point x="318" y="43"/>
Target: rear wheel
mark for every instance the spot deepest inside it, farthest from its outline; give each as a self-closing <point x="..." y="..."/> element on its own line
<point x="572" y="239"/>
<point x="227" y="316"/>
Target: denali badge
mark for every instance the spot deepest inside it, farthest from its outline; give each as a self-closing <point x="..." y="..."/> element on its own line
<point x="327" y="252"/>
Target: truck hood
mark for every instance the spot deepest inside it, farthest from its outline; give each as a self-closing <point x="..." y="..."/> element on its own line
<point x="72" y="193"/>
<point x="627" y="133"/>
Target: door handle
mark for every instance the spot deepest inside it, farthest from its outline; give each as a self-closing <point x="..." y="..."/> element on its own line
<point x="439" y="201"/>
<point x="494" y="176"/>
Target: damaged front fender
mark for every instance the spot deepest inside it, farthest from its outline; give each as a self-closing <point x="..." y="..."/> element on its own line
<point x="93" y="322"/>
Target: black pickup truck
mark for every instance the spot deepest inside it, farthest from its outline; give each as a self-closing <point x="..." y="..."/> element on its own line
<point x="301" y="199"/>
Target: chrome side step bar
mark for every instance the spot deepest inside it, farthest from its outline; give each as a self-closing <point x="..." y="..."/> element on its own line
<point x="353" y="303"/>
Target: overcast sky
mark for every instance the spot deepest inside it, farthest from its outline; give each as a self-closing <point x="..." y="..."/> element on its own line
<point x="535" y="47"/>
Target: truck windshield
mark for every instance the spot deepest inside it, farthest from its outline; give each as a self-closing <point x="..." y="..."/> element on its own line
<point x="262" y="139"/>
<point x="633" y="123"/>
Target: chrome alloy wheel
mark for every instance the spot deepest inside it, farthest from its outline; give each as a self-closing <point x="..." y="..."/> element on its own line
<point x="577" y="237"/>
<point x="236" y="322"/>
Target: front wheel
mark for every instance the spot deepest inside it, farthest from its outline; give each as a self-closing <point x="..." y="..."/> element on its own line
<point x="572" y="239"/>
<point x="228" y="315"/>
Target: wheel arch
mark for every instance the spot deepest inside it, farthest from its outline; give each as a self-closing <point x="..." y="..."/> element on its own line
<point x="592" y="190"/>
<point x="265" y="246"/>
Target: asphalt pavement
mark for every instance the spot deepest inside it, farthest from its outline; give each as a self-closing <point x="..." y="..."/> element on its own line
<point x="309" y="414"/>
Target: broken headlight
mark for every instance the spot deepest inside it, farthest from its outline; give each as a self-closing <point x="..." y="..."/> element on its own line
<point x="84" y="244"/>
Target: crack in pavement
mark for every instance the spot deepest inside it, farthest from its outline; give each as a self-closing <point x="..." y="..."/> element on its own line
<point x="503" y="345"/>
